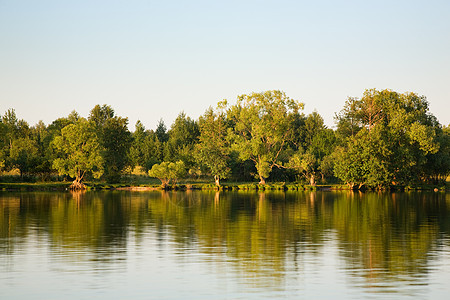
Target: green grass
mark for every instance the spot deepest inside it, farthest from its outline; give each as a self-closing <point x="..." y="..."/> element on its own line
<point x="39" y="186"/>
<point x="134" y="180"/>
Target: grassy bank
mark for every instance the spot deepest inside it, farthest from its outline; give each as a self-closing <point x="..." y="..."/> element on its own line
<point x="195" y="185"/>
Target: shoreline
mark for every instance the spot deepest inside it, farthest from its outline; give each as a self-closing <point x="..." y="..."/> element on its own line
<point x="64" y="186"/>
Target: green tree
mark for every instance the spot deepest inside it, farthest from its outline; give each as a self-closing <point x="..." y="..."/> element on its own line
<point x="392" y="137"/>
<point x="137" y="145"/>
<point x="100" y="114"/>
<point x="161" y="132"/>
<point x="314" y="158"/>
<point x="262" y="130"/>
<point x="168" y="172"/>
<point x="79" y="152"/>
<point x="24" y="155"/>
<point x="183" y="135"/>
<point x="365" y="161"/>
<point x="12" y="129"/>
<point x="305" y="164"/>
<point x="313" y="125"/>
<point x="115" y="140"/>
<point x="213" y="148"/>
<point x="437" y="168"/>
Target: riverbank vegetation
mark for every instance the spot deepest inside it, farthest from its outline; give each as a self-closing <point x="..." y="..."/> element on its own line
<point x="382" y="140"/>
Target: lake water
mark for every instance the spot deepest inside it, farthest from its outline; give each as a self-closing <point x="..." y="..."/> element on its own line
<point x="232" y="245"/>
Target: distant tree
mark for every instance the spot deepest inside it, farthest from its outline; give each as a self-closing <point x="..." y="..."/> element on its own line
<point x="437" y="167"/>
<point x="100" y="114"/>
<point x="15" y="128"/>
<point x="79" y="152"/>
<point x="24" y="155"/>
<point x="161" y="132"/>
<point x="183" y="135"/>
<point x="137" y="145"/>
<point x="213" y="148"/>
<point x="262" y="130"/>
<point x="115" y="140"/>
<point x="348" y="119"/>
<point x="316" y="159"/>
<point x="313" y="125"/>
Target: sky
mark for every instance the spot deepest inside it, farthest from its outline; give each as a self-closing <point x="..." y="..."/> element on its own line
<point x="151" y="60"/>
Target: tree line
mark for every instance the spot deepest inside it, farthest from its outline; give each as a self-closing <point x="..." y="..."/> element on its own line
<point x="382" y="139"/>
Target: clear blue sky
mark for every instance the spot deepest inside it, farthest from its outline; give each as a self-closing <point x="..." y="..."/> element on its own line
<point x="153" y="59"/>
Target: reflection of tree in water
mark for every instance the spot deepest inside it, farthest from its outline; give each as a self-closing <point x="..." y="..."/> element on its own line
<point x="252" y="231"/>
<point x="262" y="235"/>
<point x="69" y="223"/>
<point x="389" y="236"/>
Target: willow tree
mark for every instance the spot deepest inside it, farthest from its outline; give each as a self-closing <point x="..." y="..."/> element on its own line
<point x="262" y="130"/>
<point x="79" y="152"/>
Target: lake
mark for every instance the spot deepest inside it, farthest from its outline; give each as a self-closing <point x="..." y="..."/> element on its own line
<point x="227" y="245"/>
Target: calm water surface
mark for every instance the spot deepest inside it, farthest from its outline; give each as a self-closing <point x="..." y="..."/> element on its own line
<point x="204" y="245"/>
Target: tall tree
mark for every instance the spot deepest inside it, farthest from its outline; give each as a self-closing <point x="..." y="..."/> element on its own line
<point x="137" y="145"/>
<point x="316" y="159"/>
<point x="213" y="148"/>
<point x="183" y="135"/>
<point x="115" y="140"/>
<point x="437" y="168"/>
<point x="161" y="132"/>
<point x="79" y="152"/>
<point x="395" y="136"/>
<point x="262" y="128"/>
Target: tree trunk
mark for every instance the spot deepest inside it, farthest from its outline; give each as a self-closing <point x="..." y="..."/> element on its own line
<point x="164" y="183"/>
<point x="312" y="180"/>
<point x="77" y="185"/>
<point x="262" y="180"/>
<point x="217" y="180"/>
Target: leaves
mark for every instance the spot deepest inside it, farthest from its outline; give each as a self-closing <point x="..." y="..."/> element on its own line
<point x="79" y="150"/>
<point x="168" y="172"/>
<point x="262" y="128"/>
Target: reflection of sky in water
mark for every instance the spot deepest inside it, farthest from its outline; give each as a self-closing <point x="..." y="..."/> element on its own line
<point x="146" y="255"/>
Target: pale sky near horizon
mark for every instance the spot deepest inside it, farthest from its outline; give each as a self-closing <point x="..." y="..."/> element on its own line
<point x="153" y="59"/>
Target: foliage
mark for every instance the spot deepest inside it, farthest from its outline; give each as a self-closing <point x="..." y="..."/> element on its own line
<point x="382" y="139"/>
<point x="387" y="139"/>
<point x="79" y="151"/>
<point x="24" y="155"/>
<point x="262" y="130"/>
<point x="161" y="132"/>
<point x="213" y="148"/>
<point x="168" y="172"/>
<point x="145" y="149"/>
<point x="183" y="135"/>
<point x="114" y="138"/>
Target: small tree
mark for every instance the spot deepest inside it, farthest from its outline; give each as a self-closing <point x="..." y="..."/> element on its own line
<point x="168" y="172"/>
<point x="79" y="152"/>
<point x="306" y="164"/>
